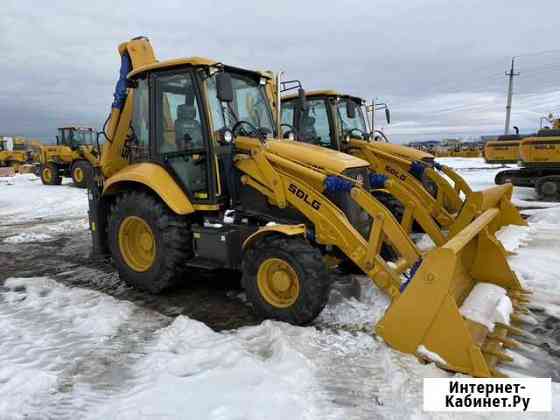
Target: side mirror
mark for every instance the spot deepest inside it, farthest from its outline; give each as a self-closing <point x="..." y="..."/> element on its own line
<point x="350" y="109"/>
<point x="224" y="87"/>
<point x="388" y="115"/>
<point x="302" y="100"/>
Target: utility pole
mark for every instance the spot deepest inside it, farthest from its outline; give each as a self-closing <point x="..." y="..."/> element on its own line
<point x="511" y="75"/>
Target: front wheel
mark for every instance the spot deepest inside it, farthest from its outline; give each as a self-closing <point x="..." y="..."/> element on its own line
<point x="286" y="279"/>
<point x="50" y="174"/>
<point x="81" y="173"/>
<point x="149" y="243"/>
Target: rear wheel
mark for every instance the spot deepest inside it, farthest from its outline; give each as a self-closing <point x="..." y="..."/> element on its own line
<point x="548" y="188"/>
<point x="50" y="174"/>
<point x="149" y="244"/>
<point x="81" y="172"/>
<point x="286" y="279"/>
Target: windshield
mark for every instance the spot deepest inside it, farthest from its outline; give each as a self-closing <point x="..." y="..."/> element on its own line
<point x="249" y="104"/>
<point x="83" y="136"/>
<point x="73" y="137"/>
<point x="356" y="124"/>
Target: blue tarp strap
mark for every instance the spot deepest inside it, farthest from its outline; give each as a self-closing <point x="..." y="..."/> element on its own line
<point x="417" y="169"/>
<point x="122" y="83"/>
<point x="377" y="181"/>
<point x="335" y="184"/>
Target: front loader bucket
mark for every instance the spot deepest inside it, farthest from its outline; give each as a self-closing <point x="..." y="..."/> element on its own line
<point x="498" y="197"/>
<point x="461" y="306"/>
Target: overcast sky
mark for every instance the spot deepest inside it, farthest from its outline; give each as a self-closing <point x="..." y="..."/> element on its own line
<point x="439" y="64"/>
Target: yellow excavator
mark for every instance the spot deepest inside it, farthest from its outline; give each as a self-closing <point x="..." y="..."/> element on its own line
<point x="407" y="180"/>
<point x="539" y="163"/>
<point x="191" y="175"/>
<point x="14" y="152"/>
<point x="505" y="149"/>
<point x="72" y="156"/>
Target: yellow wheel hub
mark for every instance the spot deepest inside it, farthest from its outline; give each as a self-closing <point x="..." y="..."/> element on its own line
<point x="78" y="174"/>
<point x="278" y="282"/>
<point x="137" y="243"/>
<point x="47" y="174"/>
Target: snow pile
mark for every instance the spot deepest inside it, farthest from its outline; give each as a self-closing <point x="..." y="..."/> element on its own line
<point x="28" y="237"/>
<point x="192" y="369"/>
<point x="487" y="304"/>
<point x="430" y="355"/>
<point x="73" y="306"/>
<point x="513" y="237"/>
<point x="361" y="308"/>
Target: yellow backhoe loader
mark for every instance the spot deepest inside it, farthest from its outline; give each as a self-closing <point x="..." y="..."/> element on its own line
<point x="540" y="164"/>
<point x="72" y="156"/>
<point x="192" y="175"/>
<point x="407" y="180"/>
<point x="14" y="152"/>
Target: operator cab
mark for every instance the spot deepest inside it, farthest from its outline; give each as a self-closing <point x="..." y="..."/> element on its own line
<point x="186" y="116"/>
<point x="325" y="118"/>
<point x="74" y="137"/>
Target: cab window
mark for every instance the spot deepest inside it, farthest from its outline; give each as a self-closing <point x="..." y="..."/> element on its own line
<point x="314" y="125"/>
<point x="179" y="131"/>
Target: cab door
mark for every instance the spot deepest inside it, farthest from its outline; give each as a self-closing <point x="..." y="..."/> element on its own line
<point x="181" y="139"/>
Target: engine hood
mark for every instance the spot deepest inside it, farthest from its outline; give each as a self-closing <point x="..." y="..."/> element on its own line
<point x="403" y="152"/>
<point x="317" y="156"/>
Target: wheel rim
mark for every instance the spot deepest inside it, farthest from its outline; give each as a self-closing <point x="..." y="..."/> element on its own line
<point x="278" y="283"/>
<point x="549" y="188"/>
<point x="137" y="243"/>
<point x="47" y="174"/>
<point x="78" y="174"/>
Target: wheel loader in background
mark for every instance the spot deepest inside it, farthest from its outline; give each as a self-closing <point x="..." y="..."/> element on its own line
<point x="192" y="175"/>
<point x="72" y="156"/>
<point x="14" y="152"/>
<point x="539" y="164"/>
<point x="406" y="180"/>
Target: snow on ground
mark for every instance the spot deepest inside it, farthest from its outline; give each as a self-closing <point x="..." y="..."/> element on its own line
<point x="76" y="353"/>
<point x="25" y="201"/>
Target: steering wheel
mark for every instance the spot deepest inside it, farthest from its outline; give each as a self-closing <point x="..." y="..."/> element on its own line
<point x="363" y="135"/>
<point x="238" y="129"/>
<point x="291" y="129"/>
<point x="383" y="136"/>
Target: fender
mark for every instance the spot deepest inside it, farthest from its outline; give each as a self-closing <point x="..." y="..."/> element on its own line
<point x="156" y="179"/>
<point x="288" y="230"/>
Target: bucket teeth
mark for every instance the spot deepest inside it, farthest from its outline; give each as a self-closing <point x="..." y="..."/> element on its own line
<point x="500" y="355"/>
<point x="513" y="330"/>
<point x="506" y="342"/>
<point x="520" y="310"/>
<point x="497" y="374"/>
<point x="520" y="294"/>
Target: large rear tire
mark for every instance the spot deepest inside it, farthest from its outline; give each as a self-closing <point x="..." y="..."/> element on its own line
<point x="50" y="174"/>
<point x="286" y="279"/>
<point x="81" y="173"/>
<point x="149" y="243"/>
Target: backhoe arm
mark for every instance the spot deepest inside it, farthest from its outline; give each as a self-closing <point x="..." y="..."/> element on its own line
<point x="135" y="53"/>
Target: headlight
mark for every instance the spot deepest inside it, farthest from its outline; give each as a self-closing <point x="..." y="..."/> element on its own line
<point x="347" y="138"/>
<point x="291" y="136"/>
